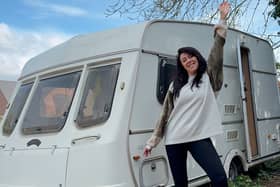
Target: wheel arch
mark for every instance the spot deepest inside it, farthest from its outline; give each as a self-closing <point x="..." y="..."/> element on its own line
<point x="235" y="154"/>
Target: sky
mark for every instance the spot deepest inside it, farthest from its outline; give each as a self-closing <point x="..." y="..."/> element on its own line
<point x="29" y="27"/>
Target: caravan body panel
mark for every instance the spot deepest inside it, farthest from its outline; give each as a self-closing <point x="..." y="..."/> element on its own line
<point x="33" y="168"/>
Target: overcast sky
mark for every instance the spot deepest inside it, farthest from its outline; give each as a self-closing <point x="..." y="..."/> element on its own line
<point x="29" y="27"/>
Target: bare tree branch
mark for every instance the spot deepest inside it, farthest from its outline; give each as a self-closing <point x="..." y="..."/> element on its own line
<point x="242" y="15"/>
<point x="266" y="16"/>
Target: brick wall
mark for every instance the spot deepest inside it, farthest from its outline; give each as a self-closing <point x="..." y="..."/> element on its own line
<point x="3" y="103"/>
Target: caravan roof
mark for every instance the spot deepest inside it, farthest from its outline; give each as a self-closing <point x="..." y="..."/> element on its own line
<point x="87" y="46"/>
<point x="157" y="35"/>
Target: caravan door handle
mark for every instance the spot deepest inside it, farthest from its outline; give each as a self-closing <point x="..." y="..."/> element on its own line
<point x="85" y="139"/>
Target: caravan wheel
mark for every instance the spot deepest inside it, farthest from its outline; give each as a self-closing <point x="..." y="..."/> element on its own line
<point x="234" y="170"/>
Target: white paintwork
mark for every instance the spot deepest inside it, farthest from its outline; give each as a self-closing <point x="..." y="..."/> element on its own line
<point x="268" y="135"/>
<point x="104" y="155"/>
<point x="265" y="95"/>
<point x="49" y="170"/>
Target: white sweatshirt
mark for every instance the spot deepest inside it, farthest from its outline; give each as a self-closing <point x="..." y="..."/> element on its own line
<point x="195" y="115"/>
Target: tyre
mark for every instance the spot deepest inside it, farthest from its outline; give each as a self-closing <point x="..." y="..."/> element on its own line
<point x="234" y="170"/>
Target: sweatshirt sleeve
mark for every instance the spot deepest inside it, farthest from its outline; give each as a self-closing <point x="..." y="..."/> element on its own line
<point x="215" y="59"/>
<point x="164" y="116"/>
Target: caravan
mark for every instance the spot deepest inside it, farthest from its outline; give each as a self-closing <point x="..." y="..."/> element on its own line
<point x="83" y="110"/>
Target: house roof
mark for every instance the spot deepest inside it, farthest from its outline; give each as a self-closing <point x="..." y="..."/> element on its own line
<point x="7" y="88"/>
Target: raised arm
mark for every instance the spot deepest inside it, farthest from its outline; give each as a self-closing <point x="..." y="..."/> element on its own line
<point x="215" y="59"/>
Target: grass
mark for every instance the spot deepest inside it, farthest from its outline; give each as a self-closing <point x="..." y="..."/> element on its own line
<point x="244" y="181"/>
<point x="258" y="175"/>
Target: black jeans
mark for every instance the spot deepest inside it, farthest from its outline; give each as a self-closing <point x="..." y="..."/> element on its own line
<point x="205" y="155"/>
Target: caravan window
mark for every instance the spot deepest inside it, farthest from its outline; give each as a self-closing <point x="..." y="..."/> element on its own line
<point x="50" y="104"/>
<point x="167" y="68"/>
<point x="98" y="95"/>
<point x="16" y="108"/>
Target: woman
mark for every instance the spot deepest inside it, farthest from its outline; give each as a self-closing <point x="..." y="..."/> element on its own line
<point x="191" y="111"/>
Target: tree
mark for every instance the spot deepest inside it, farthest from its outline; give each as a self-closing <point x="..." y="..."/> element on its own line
<point x="277" y="65"/>
<point x="275" y="13"/>
<point x="242" y="15"/>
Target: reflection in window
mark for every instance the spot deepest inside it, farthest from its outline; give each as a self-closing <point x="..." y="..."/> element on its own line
<point x="16" y="108"/>
<point x="50" y="104"/>
<point x="98" y="95"/>
<point x="167" y="70"/>
<point x="56" y="101"/>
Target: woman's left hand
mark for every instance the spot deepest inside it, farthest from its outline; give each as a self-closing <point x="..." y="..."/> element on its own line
<point x="224" y="9"/>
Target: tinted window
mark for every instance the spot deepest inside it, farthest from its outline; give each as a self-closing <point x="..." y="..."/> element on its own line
<point x="16" y="108"/>
<point x="50" y="104"/>
<point x="98" y="95"/>
<point x="167" y="69"/>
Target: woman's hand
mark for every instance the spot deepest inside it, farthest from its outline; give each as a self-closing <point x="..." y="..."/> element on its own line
<point x="224" y="9"/>
<point x="147" y="150"/>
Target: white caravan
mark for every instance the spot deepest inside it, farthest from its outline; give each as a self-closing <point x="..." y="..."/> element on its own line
<point x="83" y="110"/>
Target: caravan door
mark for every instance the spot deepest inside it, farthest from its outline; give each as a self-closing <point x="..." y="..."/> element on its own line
<point x="260" y="98"/>
<point x="245" y="74"/>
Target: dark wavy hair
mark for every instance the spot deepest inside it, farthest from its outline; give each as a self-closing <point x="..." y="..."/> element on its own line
<point x="182" y="77"/>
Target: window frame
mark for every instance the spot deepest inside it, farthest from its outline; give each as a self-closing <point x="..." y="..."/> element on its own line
<point x="163" y="82"/>
<point x="8" y="129"/>
<point x="84" y="123"/>
<point x="51" y="128"/>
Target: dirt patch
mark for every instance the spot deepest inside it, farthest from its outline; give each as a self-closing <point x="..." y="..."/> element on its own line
<point x="267" y="174"/>
<point x="263" y="175"/>
<point x="274" y="181"/>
